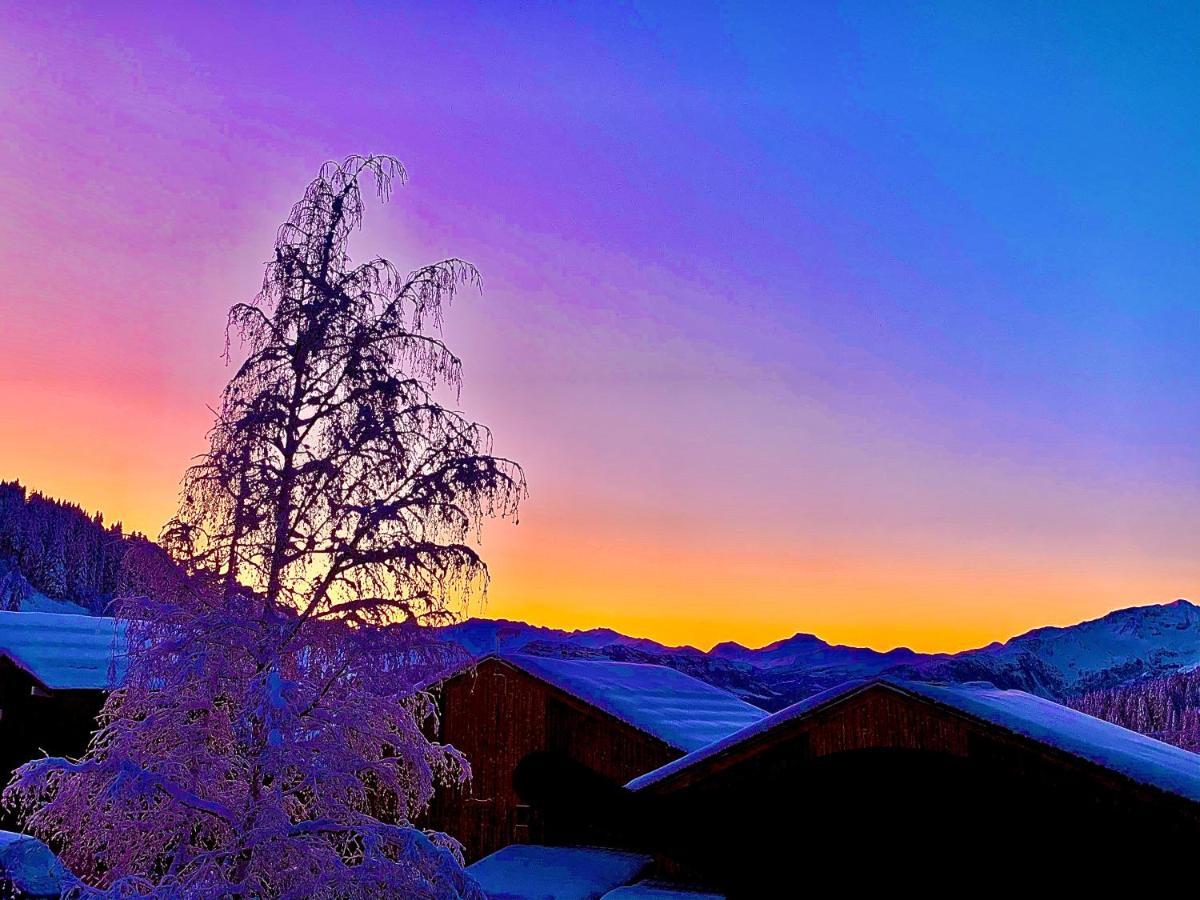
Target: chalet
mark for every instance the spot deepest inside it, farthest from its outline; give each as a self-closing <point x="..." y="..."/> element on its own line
<point x="873" y="783"/>
<point x="594" y="723"/>
<point x="54" y="672"/>
<point x="889" y="781"/>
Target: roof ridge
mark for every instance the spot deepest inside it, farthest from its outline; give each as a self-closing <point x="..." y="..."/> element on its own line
<point x="1136" y="756"/>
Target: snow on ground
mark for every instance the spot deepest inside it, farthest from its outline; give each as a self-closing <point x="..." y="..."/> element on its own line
<point x="64" y="652"/>
<point x="682" y="711"/>
<point x="658" y="890"/>
<point x="533" y="872"/>
<point x="1137" y="756"/>
<point x="30" y="866"/>
<point x="37" y="602"/>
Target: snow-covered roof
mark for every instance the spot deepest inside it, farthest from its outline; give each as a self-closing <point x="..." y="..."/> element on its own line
<point x="1140" y="758"/>
<point x="64" y="652"/>
<point x="533" y="872"/>
<point x="658" y="890"/>
<point x="682" y="711"/>
<point x="750" y="732"/>
<point x="1137" y="756"/>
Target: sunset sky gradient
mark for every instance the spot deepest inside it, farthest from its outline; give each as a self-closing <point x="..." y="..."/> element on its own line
<point x="879" y="321"/>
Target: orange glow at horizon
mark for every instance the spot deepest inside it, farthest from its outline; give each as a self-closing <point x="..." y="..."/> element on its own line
<point x="630" y="581"/>
<point x="695" y="598"/>
<point x="637" y="564"/>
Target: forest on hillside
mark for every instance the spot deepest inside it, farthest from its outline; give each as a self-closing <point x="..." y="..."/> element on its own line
<point x="1167" y="708"/>
<point x="55" y="548"/>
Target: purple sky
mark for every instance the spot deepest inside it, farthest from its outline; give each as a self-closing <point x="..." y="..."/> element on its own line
<point x="873" y="320"/>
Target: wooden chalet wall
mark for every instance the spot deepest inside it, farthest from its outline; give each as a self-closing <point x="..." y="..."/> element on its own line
<point x="34" y="722"/>
<point x="882" y="787"/>
<point x="497" y="715"/>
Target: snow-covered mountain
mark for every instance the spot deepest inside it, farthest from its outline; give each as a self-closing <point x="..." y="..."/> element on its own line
<point x="1119" y="648"/>
<point x="506" y="636"/>
<point x="803" y="664"/>
<point x="1123" y="646"/>
<point x="809" y="651"/>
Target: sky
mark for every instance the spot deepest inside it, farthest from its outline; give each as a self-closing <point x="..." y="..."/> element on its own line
<point x="876" y="321"/>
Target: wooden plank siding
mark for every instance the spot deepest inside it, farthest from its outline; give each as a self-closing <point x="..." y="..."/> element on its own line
<point x="36" y="722"/>
<point x="880" y="718"/>
<point x="910" y="785"/>
<point x="497" y="715"/>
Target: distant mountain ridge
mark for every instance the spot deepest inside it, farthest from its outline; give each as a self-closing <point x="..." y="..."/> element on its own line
<point x="1124" y="646"/>
<point x="54" y="557"/>
<point x="1119" y="648"/>
<point x="506" y="635"/>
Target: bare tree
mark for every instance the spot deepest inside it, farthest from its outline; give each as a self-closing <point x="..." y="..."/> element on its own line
<point x="267" y="741"/>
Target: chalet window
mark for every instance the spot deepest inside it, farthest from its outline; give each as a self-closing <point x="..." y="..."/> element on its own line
<point x="521" y="815"/>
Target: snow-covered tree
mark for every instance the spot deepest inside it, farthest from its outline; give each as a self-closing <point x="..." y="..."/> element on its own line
<point x="1166" y="707"/>
<point x="14" y="588"/>
<point x="268" y="739"/>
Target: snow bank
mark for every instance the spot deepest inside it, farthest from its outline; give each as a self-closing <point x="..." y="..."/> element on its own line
<point x="1134" y="755"/>
<point x="64" y="652"/>
<point x="532" y="872"/>
<point x="37" y="602"/>
<point x="680" y="710"/>
<point x="658" y="890"/>
<point x="30" y="867"/>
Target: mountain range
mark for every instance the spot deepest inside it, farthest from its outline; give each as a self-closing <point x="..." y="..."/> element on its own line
<point x="54" y="557"/>
<point x="1059" y="663"/>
